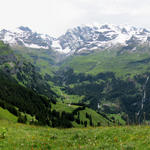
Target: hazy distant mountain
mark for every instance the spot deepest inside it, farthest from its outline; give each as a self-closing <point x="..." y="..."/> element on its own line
<point x="23" y="36"/>
<point x="79" y="39"/>
<point x="111" y="78"/>
<point x="93" y="37"/>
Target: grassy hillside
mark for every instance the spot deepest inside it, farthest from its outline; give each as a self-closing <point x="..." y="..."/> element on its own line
<point x="6" y="115"/>
<point x="45" y="60"/>
<point x="61" y="108"/>
<point x="23" y="70"/>
<point x="120" y="60"/>
<point x="83" y="115"/>
<point x="103" y="87"/>
<point x="110" y="61"/>
<point x="111" y="93"/>
<point x="19" y="136"/>
<point x="17" y="98"/>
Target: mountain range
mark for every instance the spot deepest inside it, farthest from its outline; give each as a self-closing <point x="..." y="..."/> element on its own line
<point x="105" y="67"/>
<point x="81" y="39"/>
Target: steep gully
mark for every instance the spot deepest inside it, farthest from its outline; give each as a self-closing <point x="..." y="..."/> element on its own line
<point x="143" y="98"/>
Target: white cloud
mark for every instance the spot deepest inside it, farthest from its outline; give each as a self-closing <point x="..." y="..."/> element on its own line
<point x="56" y="16"/>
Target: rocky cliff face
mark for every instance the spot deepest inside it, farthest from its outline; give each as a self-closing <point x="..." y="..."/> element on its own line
<point x="79" y="39"/>
<point x="23" y="36"/>
<point x="93" y="37"/>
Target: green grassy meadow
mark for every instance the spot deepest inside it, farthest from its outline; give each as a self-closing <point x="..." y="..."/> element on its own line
<point x="60" y="107"/>
<point x="16" y="136"/>
<point x="41" y="58"/>
<point x="6" y="115"/>
<point x="109" y="61"/>
<point x="26" y="137"/>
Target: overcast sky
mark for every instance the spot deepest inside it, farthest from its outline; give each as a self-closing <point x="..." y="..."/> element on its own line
<point x="56" y="16"/>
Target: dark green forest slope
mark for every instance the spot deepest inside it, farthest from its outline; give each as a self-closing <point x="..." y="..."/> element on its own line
<point x="23" y="71"/>
<point x="23" y="91"/>
<point x="105" y="92"/>
<point x="113" y="82"/>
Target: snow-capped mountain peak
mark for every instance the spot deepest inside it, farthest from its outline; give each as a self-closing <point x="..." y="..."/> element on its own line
<point x="79" y="39"/>
<point x="90" y="37"/>
<point x="24" y="36"/>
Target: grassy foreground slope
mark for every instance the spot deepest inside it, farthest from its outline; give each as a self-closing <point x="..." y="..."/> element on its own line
<point x="6" y="115"/>
<point x="23" y="137"/>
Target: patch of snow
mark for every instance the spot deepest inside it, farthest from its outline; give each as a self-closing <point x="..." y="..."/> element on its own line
<point x="56" y="44"/>
<point x="122" y="38"/>
<point x="35" y="46"/>
<point x="57" y="47"/>
<point x="84" y="37"/>
<point x="66" y="50"/>
<point x="133" y="49"/>
<point x="9" y="38"/>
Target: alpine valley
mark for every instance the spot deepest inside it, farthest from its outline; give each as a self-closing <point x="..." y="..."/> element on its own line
<point x="90" y="76"/>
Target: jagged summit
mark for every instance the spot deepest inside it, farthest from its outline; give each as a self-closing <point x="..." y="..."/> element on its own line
<point x="91" y="37"/>
<point x="25" y="29"/>
<point x="79" y="39"/>
<point x="24" y="36"/>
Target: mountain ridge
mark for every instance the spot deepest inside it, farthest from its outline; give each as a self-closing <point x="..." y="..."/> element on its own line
<point x="24" y="36"/>
<point x="81" y="39"/>
<point x="94" y="79"/>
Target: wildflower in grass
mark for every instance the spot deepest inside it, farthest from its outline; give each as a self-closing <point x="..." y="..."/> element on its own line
<point x="115" y="139"/>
